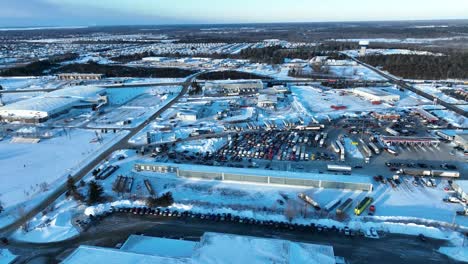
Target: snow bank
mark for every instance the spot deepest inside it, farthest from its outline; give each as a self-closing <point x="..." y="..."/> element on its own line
<point x="35" y="167"/>
<point x="6" y="256"/>
<point x="202" y="146"/>
<point x="456" y="253"/>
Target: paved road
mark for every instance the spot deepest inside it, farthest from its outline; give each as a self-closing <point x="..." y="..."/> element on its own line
<point x="115" y="229"/>
<point x="121" y="144"/>
<point x="405" y="85"/>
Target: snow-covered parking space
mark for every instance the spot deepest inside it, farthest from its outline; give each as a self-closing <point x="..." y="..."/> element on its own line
<point x="317" y="100"/>
<point x="133" y="113"/>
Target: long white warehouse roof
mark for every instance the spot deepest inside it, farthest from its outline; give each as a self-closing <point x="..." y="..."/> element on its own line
<point x="213" y="248"/>
<point x="44" y="105"/>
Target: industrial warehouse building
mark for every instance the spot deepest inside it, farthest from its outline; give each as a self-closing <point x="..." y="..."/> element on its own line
<point x="376" y="95"/>
<point x="260" y="176"/>
<point x="145" y="249"/>
<point x="267" y="101"/>
<point x="79" y="76"/>
<point x="41" y="108"/>
<point x="233" y="87"/>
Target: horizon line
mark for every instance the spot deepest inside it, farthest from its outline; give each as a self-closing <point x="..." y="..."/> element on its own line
<point x="31" y="27"/>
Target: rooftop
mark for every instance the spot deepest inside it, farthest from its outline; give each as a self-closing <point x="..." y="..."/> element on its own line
<point x="212" y="248"/>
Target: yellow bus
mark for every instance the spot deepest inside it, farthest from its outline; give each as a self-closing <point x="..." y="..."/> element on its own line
<point x="363" y="205"/>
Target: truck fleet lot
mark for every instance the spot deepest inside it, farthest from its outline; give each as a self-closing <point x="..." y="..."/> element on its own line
<point x="281" y="153"/>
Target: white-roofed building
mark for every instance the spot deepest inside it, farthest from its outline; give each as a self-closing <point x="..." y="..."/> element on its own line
<point x="267" y="101"/>
<point x="376" y="95"/>
<point x="41" y="108"/>
<point x="212" y="248"/>
<point x="233" y="87"/>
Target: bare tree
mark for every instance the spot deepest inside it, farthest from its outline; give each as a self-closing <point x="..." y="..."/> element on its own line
<point x="44" y="187"/>
<point x="21" y="211"/>
<point x="290" y="211"/>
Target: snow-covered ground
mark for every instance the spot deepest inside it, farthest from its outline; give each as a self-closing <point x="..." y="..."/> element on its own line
<point x="404" y="40"/>
<point x="437" y="92"/>
<point x="352" y="149"/>
<point x="357" y="72"/>
<point x="53" y="226"/>
<point x="202" y="146"/>
<point x="90" y="58"/>
<point x="319" y="101"/>
<point x="135" y="111"/>
<point x="355" y="53"/>
<point x="29" y="169"/>
<point x="6" y="256"/>
<point x="457" y="253"/>
<point x="451" y="117"/>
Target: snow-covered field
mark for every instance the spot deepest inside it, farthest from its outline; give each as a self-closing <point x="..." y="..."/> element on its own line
<point x="29" y="169"/>
<point x="54" y="226"/>
<point x="457" y="253"/>
<point x="404" y="40"/>
<point x="357" y="72"/>
<point x="6" y="256"/>
<point x="451" y="117"/>
<point x="437" y="92"/>
<point x="320" y="101"/>
<point x="355" y="53"/>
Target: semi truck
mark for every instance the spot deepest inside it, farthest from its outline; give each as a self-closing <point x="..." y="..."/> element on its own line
<point x="391" y="150"/>
<point x="392" y="131"/>
<point x="333" y="204"/>
<point x="433" y="173"/>
<point x="339" y="168"/>
<point x="444" y="136"/>
<point x="374" y="148"/>
<point x="344" y="206"/>
<point x="149" y="187"/>
<point x="335" y="147"/>
<point x="309" y="200"/>
<point x="342" y="150"/>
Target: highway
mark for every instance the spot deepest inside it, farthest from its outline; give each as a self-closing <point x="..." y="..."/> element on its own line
<point x="121" y="144"/>
<point x="405" y="85"/>
<point x="116" y="228"/>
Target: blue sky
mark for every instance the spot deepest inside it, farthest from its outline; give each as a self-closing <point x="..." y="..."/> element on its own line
<point x="127" y="12"/>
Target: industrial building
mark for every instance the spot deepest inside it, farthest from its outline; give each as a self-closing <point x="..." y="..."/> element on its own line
<point x="41" y="108"/>
<point x="145" y="249"/>
<point x="386" y="116"/>
<point x="376" y="95"/>
<point x="188" y="115"/>
<point x="79" y="76"/>
<point x="267" y="101"/>
<point x="425" y="115"/>
<point x="401" y="140"/>
<point x="462" y="141"/>
<point x="233" y="87"/>
<point x="261" y="176"/>
<point x="363" y="44"/>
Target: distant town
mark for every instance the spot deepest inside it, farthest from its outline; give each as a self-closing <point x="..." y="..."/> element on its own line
<point x="308" y="143"/>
